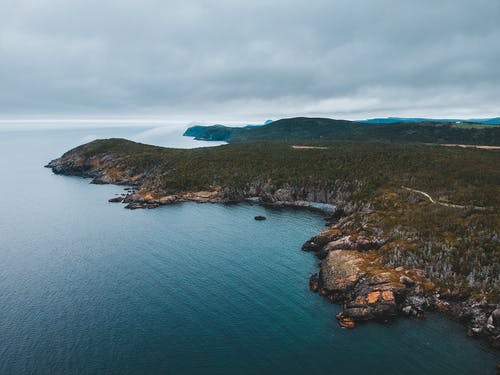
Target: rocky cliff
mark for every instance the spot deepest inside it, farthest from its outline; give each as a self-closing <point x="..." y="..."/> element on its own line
<point x="353" y="273"/>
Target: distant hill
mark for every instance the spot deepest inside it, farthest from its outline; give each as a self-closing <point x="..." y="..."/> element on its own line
<point x="303" y="129"/>
<point x="217" y="132"/>
<point x="392" y="120"/>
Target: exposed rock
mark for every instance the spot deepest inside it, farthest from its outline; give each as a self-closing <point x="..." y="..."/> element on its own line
<point x="336" y="216"/>
<point x="406" y="281"/>
<point x="407" y="310"/>
<point x="115" y="200"/>
<point x="345" y="321"/>
<point x="495" y="317"/>
<point x="317" y="243"/>
<point x="492" y="328"/>
<point x="135" y="205"/>
<point x="314" y="283"/>
<point x="341" y="243"/>
<point x="356" y="280"/>
<point x="340" y="271"/>
<point x="360" y="243"/>
<point x="167" y="199"/>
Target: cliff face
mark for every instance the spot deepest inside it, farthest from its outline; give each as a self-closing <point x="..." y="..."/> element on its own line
<point x="102" y="169"/>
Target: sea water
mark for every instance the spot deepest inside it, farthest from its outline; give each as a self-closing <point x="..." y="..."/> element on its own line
<point x="87" y="287"/>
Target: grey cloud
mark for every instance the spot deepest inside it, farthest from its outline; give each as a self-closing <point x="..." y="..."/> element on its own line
<point x="256" y="59"/>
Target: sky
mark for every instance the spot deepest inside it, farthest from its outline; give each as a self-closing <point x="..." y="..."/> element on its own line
<point x="228" y="60"/>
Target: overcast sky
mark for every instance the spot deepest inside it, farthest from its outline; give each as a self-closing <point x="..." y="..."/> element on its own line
<point x="249" y="60"/>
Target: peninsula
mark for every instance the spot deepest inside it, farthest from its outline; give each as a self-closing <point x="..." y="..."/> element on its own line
<point x="416" y="225"/>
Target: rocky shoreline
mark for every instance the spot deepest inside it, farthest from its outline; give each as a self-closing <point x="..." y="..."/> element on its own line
<point x="351" y="272"/>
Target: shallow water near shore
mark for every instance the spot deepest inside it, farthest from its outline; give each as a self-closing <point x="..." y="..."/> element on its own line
<point x="88" y="287"/>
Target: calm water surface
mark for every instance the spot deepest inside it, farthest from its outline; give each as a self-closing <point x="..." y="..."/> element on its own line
<point x="87" y="287"/>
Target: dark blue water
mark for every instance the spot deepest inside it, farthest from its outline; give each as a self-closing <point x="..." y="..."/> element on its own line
<point x="88" y="287"/>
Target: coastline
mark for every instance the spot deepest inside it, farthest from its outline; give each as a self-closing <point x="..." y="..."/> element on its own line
<point x="352" y="272"/>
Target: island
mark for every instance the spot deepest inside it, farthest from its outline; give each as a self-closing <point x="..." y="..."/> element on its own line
<point x="416" y="225"/>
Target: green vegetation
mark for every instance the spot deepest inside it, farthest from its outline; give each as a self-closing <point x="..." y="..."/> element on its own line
<point x="320" y="129"/>
<point x="470" y="125"/>
<point x="460" y="176"/>
<point x="458" y="248"/>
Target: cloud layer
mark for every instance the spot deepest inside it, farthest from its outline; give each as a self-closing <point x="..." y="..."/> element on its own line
<point x="257" y="59"/>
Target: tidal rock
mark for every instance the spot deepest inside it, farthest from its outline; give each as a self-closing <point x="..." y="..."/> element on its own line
<point x="135" y="205"/>
<point x="116" y="200"/>
<point x="260" y="218"/>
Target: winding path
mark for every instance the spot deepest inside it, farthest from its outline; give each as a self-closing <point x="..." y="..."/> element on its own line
<point x="442" y="203"/>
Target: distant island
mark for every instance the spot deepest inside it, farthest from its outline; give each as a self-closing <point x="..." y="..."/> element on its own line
<point x="416" y="225"/>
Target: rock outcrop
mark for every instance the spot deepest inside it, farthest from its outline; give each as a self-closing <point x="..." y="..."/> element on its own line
<point x="365" y="289"/>
<point x="353" y="275"/>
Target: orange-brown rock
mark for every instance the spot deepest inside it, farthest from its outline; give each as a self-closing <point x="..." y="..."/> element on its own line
<point x="366" y="288"/>
<point x="373" y="297"/>
<point x="388" y="295"/>
<point x="345" y="321"/>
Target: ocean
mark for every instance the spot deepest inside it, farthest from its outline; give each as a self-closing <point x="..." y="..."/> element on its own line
<point x="87" y="287"/>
